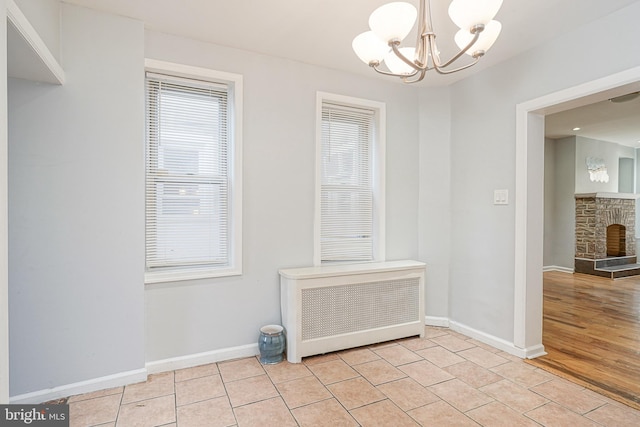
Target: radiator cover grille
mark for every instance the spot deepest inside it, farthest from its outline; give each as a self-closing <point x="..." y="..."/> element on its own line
<point x="335" y="310"/>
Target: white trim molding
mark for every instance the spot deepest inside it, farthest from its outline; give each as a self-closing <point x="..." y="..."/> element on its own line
<point x="35" y="42"/>
<point x="204" y="358"/>
<point x="96" y="384"/>
<point x="442" y="322"/>
<point x="557" y="268"/>
<point x="499" y="343"/>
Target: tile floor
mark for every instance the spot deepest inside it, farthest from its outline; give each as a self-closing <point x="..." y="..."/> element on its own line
<point x="444" y="379"/>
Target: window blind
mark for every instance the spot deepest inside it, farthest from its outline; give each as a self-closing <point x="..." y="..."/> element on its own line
<point x="346" y="230"/>
<point x="187" y="173"/>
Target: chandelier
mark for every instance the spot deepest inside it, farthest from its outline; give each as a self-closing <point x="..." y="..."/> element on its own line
<point x="391" y="23"/>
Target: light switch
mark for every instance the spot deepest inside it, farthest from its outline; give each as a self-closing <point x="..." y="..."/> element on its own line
<point x="500" y="197"/>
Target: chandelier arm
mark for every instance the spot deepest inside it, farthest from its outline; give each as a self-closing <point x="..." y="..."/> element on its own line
<point x="432" y="41"/>
<point x="440" y="70"/>
<point x="394" y="46"/>
<point x="387" y="73"/>
<point x="422" y="74"/>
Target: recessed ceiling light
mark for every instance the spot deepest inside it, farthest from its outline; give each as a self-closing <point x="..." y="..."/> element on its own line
<point x="576" y="128"/>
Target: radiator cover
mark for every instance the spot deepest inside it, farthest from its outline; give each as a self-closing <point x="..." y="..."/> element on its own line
<point x="332" y="308"/>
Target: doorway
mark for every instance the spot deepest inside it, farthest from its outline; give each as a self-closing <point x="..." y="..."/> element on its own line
<point x="528" y="296"/>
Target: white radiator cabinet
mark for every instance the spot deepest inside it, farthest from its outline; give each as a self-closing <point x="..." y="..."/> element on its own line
<point x="330" y="308"/>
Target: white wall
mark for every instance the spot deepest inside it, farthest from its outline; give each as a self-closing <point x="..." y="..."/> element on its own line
<point x="483" y="153"/>
<point x="279" y="161"/>
<point x="609" y="152"/>
<point x="4" y="256"/>
<point x="76" y="210"/>
<point x="559" y="208"/>
<point x="549" y="202"/>
<point x="435" y="199"/>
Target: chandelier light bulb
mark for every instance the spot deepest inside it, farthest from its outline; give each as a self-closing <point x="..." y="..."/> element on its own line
<point x="467" y="13"/>
<point x="397" y="65"/>
<point x="393" y="21"/>
<point x="485" y="41"/>
<point x="369" y="47"/>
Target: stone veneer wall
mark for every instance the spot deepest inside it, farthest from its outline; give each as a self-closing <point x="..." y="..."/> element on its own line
<point x="593" y="216"/>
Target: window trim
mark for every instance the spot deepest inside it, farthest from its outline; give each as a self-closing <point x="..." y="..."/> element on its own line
<point x="378" y="171"/>
<point x="235" y="95"/>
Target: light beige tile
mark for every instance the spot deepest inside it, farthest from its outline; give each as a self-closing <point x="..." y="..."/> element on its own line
<point x="240" y="369"/>
<point x="303" y="391"/>
<point x="569" y="395"/>
<point x="271" y="412"/>
<point x="355" y="392"/>
<point x="358" y="356"/>
<point x="414" y="344"/>
<point x="440" y="356"/>
<point x="250" y="390"/>
<point x="93" y="395"/>
<point x="196" y="372"/>
<point x="379" y="371"/>
<point x="441" y="414"/>
<point x="483" y="345"/>
<point x="514" y="396"/>
<point x="285" y="371"/>
<point x="460" y="395"/>
<point x="520" y="373"/>
<point x="452" y="343"/>
<point x="152" y="412"/>
<point x="95" y="411"/>
<point x="615" y="416"/>
<point x="434" y="331"/>
<point x="156" y="385"/>
<point x="510" y="357"/>
<point x="198" y="389"/>
<point x="425" y="373"/>
<point x="483" y="357"/>
<point x="382" y="414"/>
<point x="325" y="413"/>
<point x="397" y="355"/>
<point x="472" y="374"/>
<point x="553" y="414"/>
<point x="211" y="413"/>
<point x="332" y="371"/>
<point x="407" y="394"/>
<point x="495" y="414"/>
<point x="321" y="358"/>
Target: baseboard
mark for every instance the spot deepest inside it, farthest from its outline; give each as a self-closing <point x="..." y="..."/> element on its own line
<point x="557" y="268"/>
<point x="110" y="381"/>
<point x="436" y="321"/>
<point x="197" y="359"/>
<point x="499" y="343"/>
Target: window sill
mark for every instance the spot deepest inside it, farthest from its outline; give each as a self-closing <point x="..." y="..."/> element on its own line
<point x="183" y="275"/>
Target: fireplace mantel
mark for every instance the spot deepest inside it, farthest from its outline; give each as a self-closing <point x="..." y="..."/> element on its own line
<point x="602" y="195"/>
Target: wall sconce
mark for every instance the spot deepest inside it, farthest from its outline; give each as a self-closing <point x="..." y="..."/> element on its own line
<point x="597" y="170"/>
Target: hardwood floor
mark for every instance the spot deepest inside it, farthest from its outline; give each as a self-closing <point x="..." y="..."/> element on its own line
<point x="591" y="332"/>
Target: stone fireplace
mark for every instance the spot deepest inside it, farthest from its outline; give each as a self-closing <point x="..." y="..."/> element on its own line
<point x="605" y="234"/>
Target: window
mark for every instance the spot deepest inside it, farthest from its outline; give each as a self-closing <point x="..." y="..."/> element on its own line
<point x="350" y="177"/>
<point x="193" y="188"/>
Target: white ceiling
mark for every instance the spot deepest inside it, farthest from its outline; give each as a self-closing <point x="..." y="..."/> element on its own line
<point x="320" y="32"/>
<point x="604" y="120"/>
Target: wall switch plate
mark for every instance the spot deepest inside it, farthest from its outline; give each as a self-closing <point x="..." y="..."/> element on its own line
<point x="500" y="197"/>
